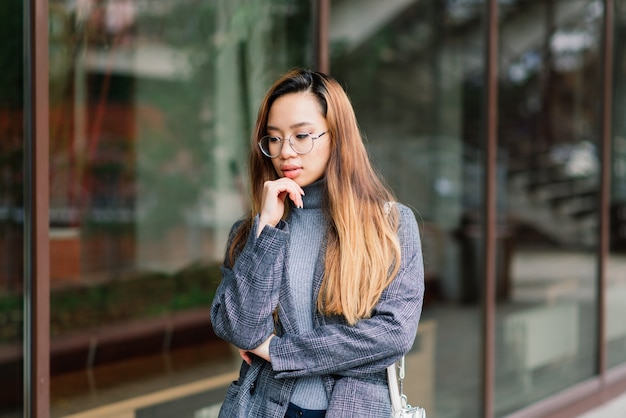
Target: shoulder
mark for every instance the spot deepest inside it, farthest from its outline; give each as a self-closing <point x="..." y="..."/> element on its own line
<point x="238" y="224"/>
<point x="406" y="215"/>
<point x="408" y="229"/>
<point x="402" y="209"/>
<point x="237" y="229"/>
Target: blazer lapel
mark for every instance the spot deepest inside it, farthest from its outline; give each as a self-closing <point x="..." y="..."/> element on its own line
<point x="318" y="276"/>
<point x="286" y="309"/>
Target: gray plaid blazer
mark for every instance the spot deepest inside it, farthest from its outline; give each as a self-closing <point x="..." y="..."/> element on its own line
<point x="351" y="359"/>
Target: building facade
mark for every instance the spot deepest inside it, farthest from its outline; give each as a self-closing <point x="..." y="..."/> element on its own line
<point x="124" y="132"/>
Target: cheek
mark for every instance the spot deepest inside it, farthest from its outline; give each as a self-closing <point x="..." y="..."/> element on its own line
<point x="321" y="163"/>
<point x="325" y="157"/>
<point x="276" y="165"/>
<point x="322" y="156"/>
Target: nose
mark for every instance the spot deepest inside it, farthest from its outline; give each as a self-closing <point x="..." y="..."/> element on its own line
<point x="286" y="150"/>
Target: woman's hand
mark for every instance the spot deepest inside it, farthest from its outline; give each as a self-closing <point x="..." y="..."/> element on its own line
<point x="245" y="355"/>
<point x="273" y="202"/>
<point x="262" y="351"/>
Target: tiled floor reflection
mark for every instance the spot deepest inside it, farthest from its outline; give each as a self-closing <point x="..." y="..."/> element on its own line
<point x="131" y="385"/>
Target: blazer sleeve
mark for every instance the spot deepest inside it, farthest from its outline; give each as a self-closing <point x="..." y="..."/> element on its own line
<point x="373" y="343"/>
<point x="241" y="312"/>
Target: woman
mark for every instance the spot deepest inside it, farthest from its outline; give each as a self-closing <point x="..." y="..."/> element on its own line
<point x="323" y="280"/>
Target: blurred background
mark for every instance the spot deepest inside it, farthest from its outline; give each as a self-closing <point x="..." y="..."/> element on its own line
<point x="151" y="107"/>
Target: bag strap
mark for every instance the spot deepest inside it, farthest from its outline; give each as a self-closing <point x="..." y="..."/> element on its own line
<point x="396" y="393"/>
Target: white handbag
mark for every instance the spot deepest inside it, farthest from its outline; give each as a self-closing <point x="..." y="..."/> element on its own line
<point x="399" y="403"/>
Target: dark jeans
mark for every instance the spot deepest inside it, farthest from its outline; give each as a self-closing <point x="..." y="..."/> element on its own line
<point x="294" y="411"/>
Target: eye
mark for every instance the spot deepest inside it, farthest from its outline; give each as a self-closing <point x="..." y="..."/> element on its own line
<point x="302" y="136"/>
<point x="273" y="139"/>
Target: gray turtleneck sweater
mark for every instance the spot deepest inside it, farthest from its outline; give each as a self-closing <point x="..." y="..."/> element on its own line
<point x="307" y="227"/>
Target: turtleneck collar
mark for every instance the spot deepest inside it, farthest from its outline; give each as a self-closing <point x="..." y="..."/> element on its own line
<point x="314" y="194"/>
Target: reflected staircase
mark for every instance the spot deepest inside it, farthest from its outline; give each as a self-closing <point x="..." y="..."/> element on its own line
<point x="557" y="199"/>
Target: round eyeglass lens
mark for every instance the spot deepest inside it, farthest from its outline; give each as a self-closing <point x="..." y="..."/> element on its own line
<point x="270" y="145"/>
<point x="301" y="143"/>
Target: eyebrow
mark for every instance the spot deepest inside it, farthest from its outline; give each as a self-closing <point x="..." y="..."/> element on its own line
<point x="294" y="126"/>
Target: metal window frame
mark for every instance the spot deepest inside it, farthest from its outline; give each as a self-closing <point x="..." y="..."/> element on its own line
<point x="36" y="347"/>
<point x="490" y="210"/>
<point x="321" y="45"/>
<point x="605" y="181"/>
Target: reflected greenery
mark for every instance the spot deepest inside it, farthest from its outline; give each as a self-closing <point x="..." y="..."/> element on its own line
<point x="145" y="296"/>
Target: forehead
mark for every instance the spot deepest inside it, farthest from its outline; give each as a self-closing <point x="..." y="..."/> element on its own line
<point x="295" y="109"/>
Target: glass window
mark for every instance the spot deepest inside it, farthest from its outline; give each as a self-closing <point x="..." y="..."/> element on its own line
<point x="616" y="279"/>
<point x="549" y="133"/>
<point x="151" y="109"/>
<point x="414" y="72"/>
<point x="11" y="208"/>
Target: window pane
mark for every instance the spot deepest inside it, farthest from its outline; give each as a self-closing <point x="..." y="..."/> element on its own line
<point x="549" y="133"/>
<point x="11" y="208"/>
<point x="414" y="72"/>
<point x="616" y="278"/>
<point x="151" y="108"/>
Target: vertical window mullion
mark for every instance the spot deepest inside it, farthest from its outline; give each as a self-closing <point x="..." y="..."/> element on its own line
<point x="36" y="207"/>
<point x="490" y="209"/>
<point x="322" y="53"/>
<point x="605" y="179"/>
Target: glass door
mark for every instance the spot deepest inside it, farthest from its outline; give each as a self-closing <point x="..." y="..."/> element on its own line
<point x="414" y="71"/>
<point x="549" y="137"/>
<point x="151" y="108"/>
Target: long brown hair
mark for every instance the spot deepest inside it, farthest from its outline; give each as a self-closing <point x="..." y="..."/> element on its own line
<point x="363" y="252"/>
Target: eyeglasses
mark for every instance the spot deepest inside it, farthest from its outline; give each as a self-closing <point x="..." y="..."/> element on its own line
<point x="301" y="143"/>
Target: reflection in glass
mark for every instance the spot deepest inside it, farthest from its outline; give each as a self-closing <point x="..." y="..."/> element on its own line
<point x="151" y="106"/>
<point x="11" y="208"/>
<point x="414" y="72"/>
<point x="549" y="130"/>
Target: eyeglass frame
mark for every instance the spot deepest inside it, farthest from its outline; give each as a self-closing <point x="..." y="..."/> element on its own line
<point x="282" y="143"/>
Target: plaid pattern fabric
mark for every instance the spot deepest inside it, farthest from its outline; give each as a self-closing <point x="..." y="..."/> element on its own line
<point x="351" y="359"/>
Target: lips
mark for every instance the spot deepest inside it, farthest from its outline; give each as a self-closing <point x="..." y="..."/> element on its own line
<point x="291" y="171"/>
